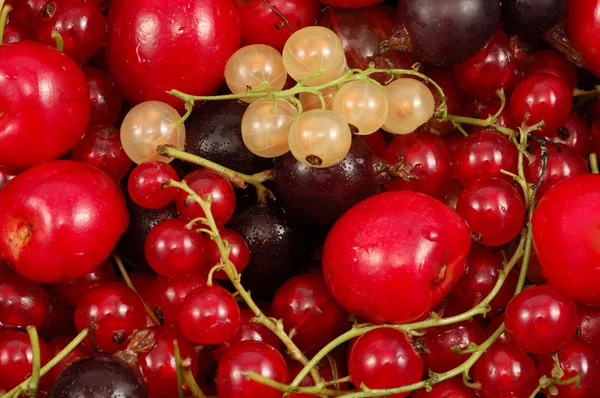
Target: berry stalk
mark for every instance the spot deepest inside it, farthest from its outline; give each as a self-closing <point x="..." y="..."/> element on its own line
<point x="4" y="10"/>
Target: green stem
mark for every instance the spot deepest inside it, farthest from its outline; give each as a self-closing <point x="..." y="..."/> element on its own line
<point x="572" y="380"/>
<point x="178" y="369"/>
<point x="4" y="10"/>
<point x="34" y="382"/>
<point x="480" y="122"/>
<point x="594" y="163"/>
<point x="60" y="44"/>
<point x="289" y="389"/>
<point x="188" y="376"/>
<point x="525" y="263"/>
<point x="578" y="93"/>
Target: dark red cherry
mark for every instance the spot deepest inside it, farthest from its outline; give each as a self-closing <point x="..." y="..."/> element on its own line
<point x="174" y="250"/>
<point x="541" y="320"/>
<point x="589" y="325"/>
<point x="250" y="356"/>
<point x="80" y="24"/>
<point x="101" y="147"/>
<point x="207" y="182"/>
<point x="583" y="31"/>
<point x="15" y="32"/>
<point x="489" y="69"/>
<point x="156" y="46"/>
<point x="505" y="370"/>
<point x="576" y="358"/>
<point x="384" y="358"/>
<point x="574" y="133"/>
<point x="47" y="93"/>
<point x="16" y="358"/>
<point x="54" y="347"/>
<point x="105" y="99"/>
<point x="22" y="302"/>
<point x="70" y="292"/>
<point x="451" y="388"/>
<point x="112" y="311"/>
<point x="145" y="184"/>
<point x="455" y="98"/>
<point x="553" y="62"/>
<point x="25" y="11"/>
<point x="493" y="209"/>
<point x="168" y="295"/>
<point x="59" y="321"/>
<point x="309" y="311"/>
<point x="482" y="155"/>
<point x="440" y="342"/>
<point x="429" y="159"/>
<point x="6" y="175"/>
<point x="239" y="253"/>
<point x="209" y="315"/>
<point x="262" y="24"/>
<point x="454" y="192"/>
<point x="541" y="96"/>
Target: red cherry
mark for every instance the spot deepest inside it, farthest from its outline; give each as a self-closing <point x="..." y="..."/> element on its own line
<point x="456" y="98"/>
<point x="101" y="147"/>
<point x="112" y="311"/>
<point x="488" y="70"/>
<point x="63" y="219"/>
<point x="566" y="212"/>
<point x="174" y="250"/>
<point x="305" y="306"/>
<point x="541" y="97"/>
<point x="146" y="184"/>
<point x="168" y="294"/>
<point x="105" y="99"/>
<point x="250" y="356"/>
<point x="384" y="358"/>
<point x="239" y="253"/>
<point x="79" y="22"/>
<point x="209" y="315"/>
<point x="574" y="133"/>
<point x="577" y="358"/>
<point x="6" y="175"/>
<point x="589" y="325"/>
<point x="60" y="320"/>
<point x="205" y="182"/>
<point x="440" y="342"/>
<point x="248" y="330"/>
<point x="16" y="358"/>
<point x="493" y="210"/>
<point x="553" y="62"/>
<point x="583" y="31"/>
<point x="25" y="11"/>
<point x="70" y="292"/>
<point x="261" y="25"/>
<point x="156" y="46"/>
<point x="369" y="274"/>
<point x="22" y="302"/>
<point x="47" y="93"/>
<point x="540" y="320"/>
<point x="54" y="347"/>
<point x="451" y="388"/>
<point x="15" y="32"/>
<point x="505" y="371"/>
<point x="429" y="158"/>
<point x="482" y="155"/>
<point x="157" y="365"/>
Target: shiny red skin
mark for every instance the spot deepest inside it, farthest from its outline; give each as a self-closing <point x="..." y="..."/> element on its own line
<point x="64" y="219"/>
<point x="101" y="147"/>
<point x="54" y="347"/>
<point x="574" y="133"/>
<point x="577" y="358"/>
<point x="80" y="23"/>
<point x="305" y="305"/>
<point x="451" y="388"/>
<point x="22" y="302"/>
<point x="505" y="371"/>
<point x="384" y="358"/>
<point x="113" y="311"/>
<point x="351" y="3"/>
<point x="561" y="165"/>
<point x="45" y="104"/>
<point x="155" y="46"/>
<point x="454" y="192"/>
<point x="483" y="268"/>
<point x="370" y="273"/>
<point x="541" y="320"/>
<point x="440" y="340"/>
<point x="16" y="358"/>
<point x="60" y="320"/>
<point x="71" y="291"/>
<point x="239" y="253"/>
<point x="589" y="325"/>
<point x="430" y="159"/>
<point x="569" y="212"/>
<point x="541" y="96"/>
<point x="482" y="155"/>
<point x="6" y="175"/>
<point x="553" y="62"/>
<point x="583" y="31"/>
<point x="248" y="330"/>
<point x="250" y="356"/>
<point x="157" y="366"/>
<point x="488" y="70"/>
<point x="145" y="184"/>
<point x="105" y="99"/>
<point x="456" y="98"/>
<point x="15" y="32"/>
<point x="173" y="250"/>
<point x="493" y="209"/>
<point x="209" y="315"/>
<point x="205" y="182"/>
<point x="24" y="10"/>
<point x="168" y="295"/>
<point x="261" y="25"/>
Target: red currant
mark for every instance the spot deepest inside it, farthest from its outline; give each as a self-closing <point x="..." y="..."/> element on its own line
<point x="168" y="294"/>
<point x="16" y="358"/>
<point x="22" y="302"/>
<point x="146" y="184"/>
<point x="239" y="253"/>
<point x="70" y="292"/>
<point x="451" y="388"/>
<point x="105" y="99"/>
<point x="553" y="62"/>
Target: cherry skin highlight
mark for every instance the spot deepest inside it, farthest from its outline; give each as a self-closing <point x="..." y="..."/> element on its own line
<point x="16" y="358"/>
<point x="168" y="295"/>
<point x="22" y="302"/>
<point x="583" y="31"/>
<point x="146" y="184"/>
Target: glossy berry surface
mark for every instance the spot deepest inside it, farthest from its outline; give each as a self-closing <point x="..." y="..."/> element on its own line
<point x="531" y="18"/>
<point x="16" y="358"/>
<point x="583" y="31"/>
<point x="589" y="322"/>
<point x="105" y="99"/>
<point x="574" y="133"/>
<point x="112" y="311"/>
<point x="15" y="32"/>
<point x="451" y="388"/>
<point x="146" y="184"/>
<point x="553" y="62"/>
<point x="6" y="175"/>
<point x="22" y="302"/>
<point x="250" y="356"/>
<point x="384" y="358"/>
<point x="168" y="294"/>
<point x="358" y="269"/>
<point x="493" y="210"/>
<point x="239" y="253"/>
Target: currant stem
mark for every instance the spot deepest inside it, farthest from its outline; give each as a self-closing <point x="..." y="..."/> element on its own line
<point x="191" y="382"/>
<point x="178" y="369"/>
<point x="4" y="10"/>
<point x="594" y="163"/>
<point x="60" y="44"/>
<point x="32" y="387"/>
<point x="289" y="389"/>
<point x="480" y="122"/>
<point x="238" y="179"/>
